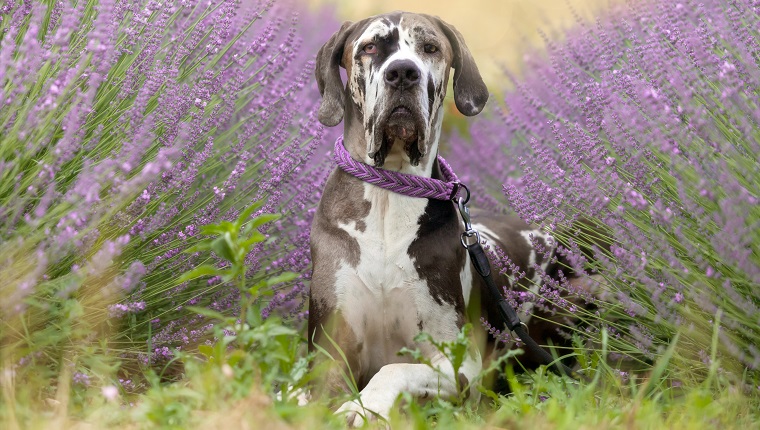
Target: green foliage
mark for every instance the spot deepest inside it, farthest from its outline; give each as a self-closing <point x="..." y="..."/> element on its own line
<point x="230" y="382"/>
<point x="266" y="348"/>
<point x="250" y="355"/>
<point x="614" y="399"/>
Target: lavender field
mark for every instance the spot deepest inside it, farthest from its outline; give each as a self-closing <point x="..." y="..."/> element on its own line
<point x="134" y="133"/>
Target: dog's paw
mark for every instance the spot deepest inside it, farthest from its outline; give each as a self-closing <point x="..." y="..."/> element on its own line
<point x="356" y="415"/>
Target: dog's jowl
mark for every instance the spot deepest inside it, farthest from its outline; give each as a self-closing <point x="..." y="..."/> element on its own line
<point x="388" y="266"/>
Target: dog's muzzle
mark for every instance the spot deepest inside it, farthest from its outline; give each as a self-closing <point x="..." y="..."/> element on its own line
<point x="402" y="118"/>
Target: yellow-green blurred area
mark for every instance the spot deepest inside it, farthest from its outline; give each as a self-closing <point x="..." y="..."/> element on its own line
<point x="498" y="32"/>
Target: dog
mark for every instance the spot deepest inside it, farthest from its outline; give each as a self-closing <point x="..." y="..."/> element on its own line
<point x="387" y="266"/>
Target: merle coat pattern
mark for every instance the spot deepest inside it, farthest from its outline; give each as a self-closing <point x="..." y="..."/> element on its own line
<point x="388" y="266"/>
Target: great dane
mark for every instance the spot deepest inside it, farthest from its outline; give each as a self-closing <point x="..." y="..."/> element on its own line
<point x="386" y="266"/>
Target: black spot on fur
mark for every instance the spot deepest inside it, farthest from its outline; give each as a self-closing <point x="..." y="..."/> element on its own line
<point x="394" y="37"/>
<point x="386" y="46"/>
<point x="413" y="151"/>
<point x="438" y="256"/>
<point x="362" y="83"/>
<point x="379" y="156"/>
<point x="371" y="122"/>
<point x="430" y="93"/>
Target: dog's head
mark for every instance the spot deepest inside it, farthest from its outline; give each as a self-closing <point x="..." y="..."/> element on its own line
<point x="398" y="67"/>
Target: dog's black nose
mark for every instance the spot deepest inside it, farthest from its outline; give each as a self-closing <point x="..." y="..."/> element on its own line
<point x="402" y="74"/>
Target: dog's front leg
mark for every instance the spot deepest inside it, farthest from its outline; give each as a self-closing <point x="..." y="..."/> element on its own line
<point x="422" y="381"/>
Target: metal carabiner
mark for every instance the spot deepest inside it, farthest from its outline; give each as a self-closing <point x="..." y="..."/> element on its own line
<point x="464" y="212"/>
<point x="466" y="238"/>
<point x="469" y="232"/>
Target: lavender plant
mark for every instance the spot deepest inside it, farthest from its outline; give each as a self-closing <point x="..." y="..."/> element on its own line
<point x="125" y="126"/>
<point x="646" y="126"/>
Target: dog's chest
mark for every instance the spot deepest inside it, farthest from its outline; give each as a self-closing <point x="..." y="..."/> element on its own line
<point x="383" y="298"/>
<point x="384" y="237"/>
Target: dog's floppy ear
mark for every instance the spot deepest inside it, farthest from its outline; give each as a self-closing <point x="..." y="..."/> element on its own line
<point x="328" y="76"/>
<point x="470" y="92"/>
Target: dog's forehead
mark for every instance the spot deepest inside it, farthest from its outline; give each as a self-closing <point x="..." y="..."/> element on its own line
<point x="414" y="26"/>
<point x="379" y="27"/>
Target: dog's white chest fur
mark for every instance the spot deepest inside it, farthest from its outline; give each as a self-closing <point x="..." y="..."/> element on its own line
<point x="383" y="299"/>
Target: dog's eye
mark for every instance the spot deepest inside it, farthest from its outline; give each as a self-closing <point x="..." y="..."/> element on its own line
<point x="370" y="48"/>
<point x="430" y="49"/>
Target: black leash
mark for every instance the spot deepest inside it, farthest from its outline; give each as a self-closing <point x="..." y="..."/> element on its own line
<point x="471" y="241"/>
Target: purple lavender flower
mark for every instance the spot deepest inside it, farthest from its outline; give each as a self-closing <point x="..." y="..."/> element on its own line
<point x="646" y="124"/>
<point x="80" y="378"/>
<point x="127" y="126"/>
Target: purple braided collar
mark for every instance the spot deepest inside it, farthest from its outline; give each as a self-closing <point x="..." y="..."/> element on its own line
<point x="401" y="183"/>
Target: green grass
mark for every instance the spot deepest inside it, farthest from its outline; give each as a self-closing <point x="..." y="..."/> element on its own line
<point x="224" y="388"/>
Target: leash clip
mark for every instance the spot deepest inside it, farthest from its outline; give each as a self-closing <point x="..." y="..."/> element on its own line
<point x="455" y="191"/>
<point x="470" y="236"/>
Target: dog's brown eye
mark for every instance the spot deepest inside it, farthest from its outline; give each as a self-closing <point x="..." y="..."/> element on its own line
<point x="370" y="48"/>
<point x="430" y="49"/>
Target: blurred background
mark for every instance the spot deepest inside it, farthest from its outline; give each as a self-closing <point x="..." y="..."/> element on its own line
<point x="498" y="32"/>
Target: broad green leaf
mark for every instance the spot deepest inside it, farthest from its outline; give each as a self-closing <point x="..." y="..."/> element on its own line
<point x="247" y="213"/>
<point x="255" y="238"/>
<point x="206" y="312"/>
<point x="228" y="227"/>
<point x="206" y="350"/>
<point x="212" y="229"/>
<point x="235" y="356"/>
<point x="280" y="330"/>
<point x="259" y="285"/>
<point x="263" y="219"/>
<point x="263" y="293"/>
<point x="228" y="275"/>
<point x="259" y="221"/>
<point x="223" y="247"/>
